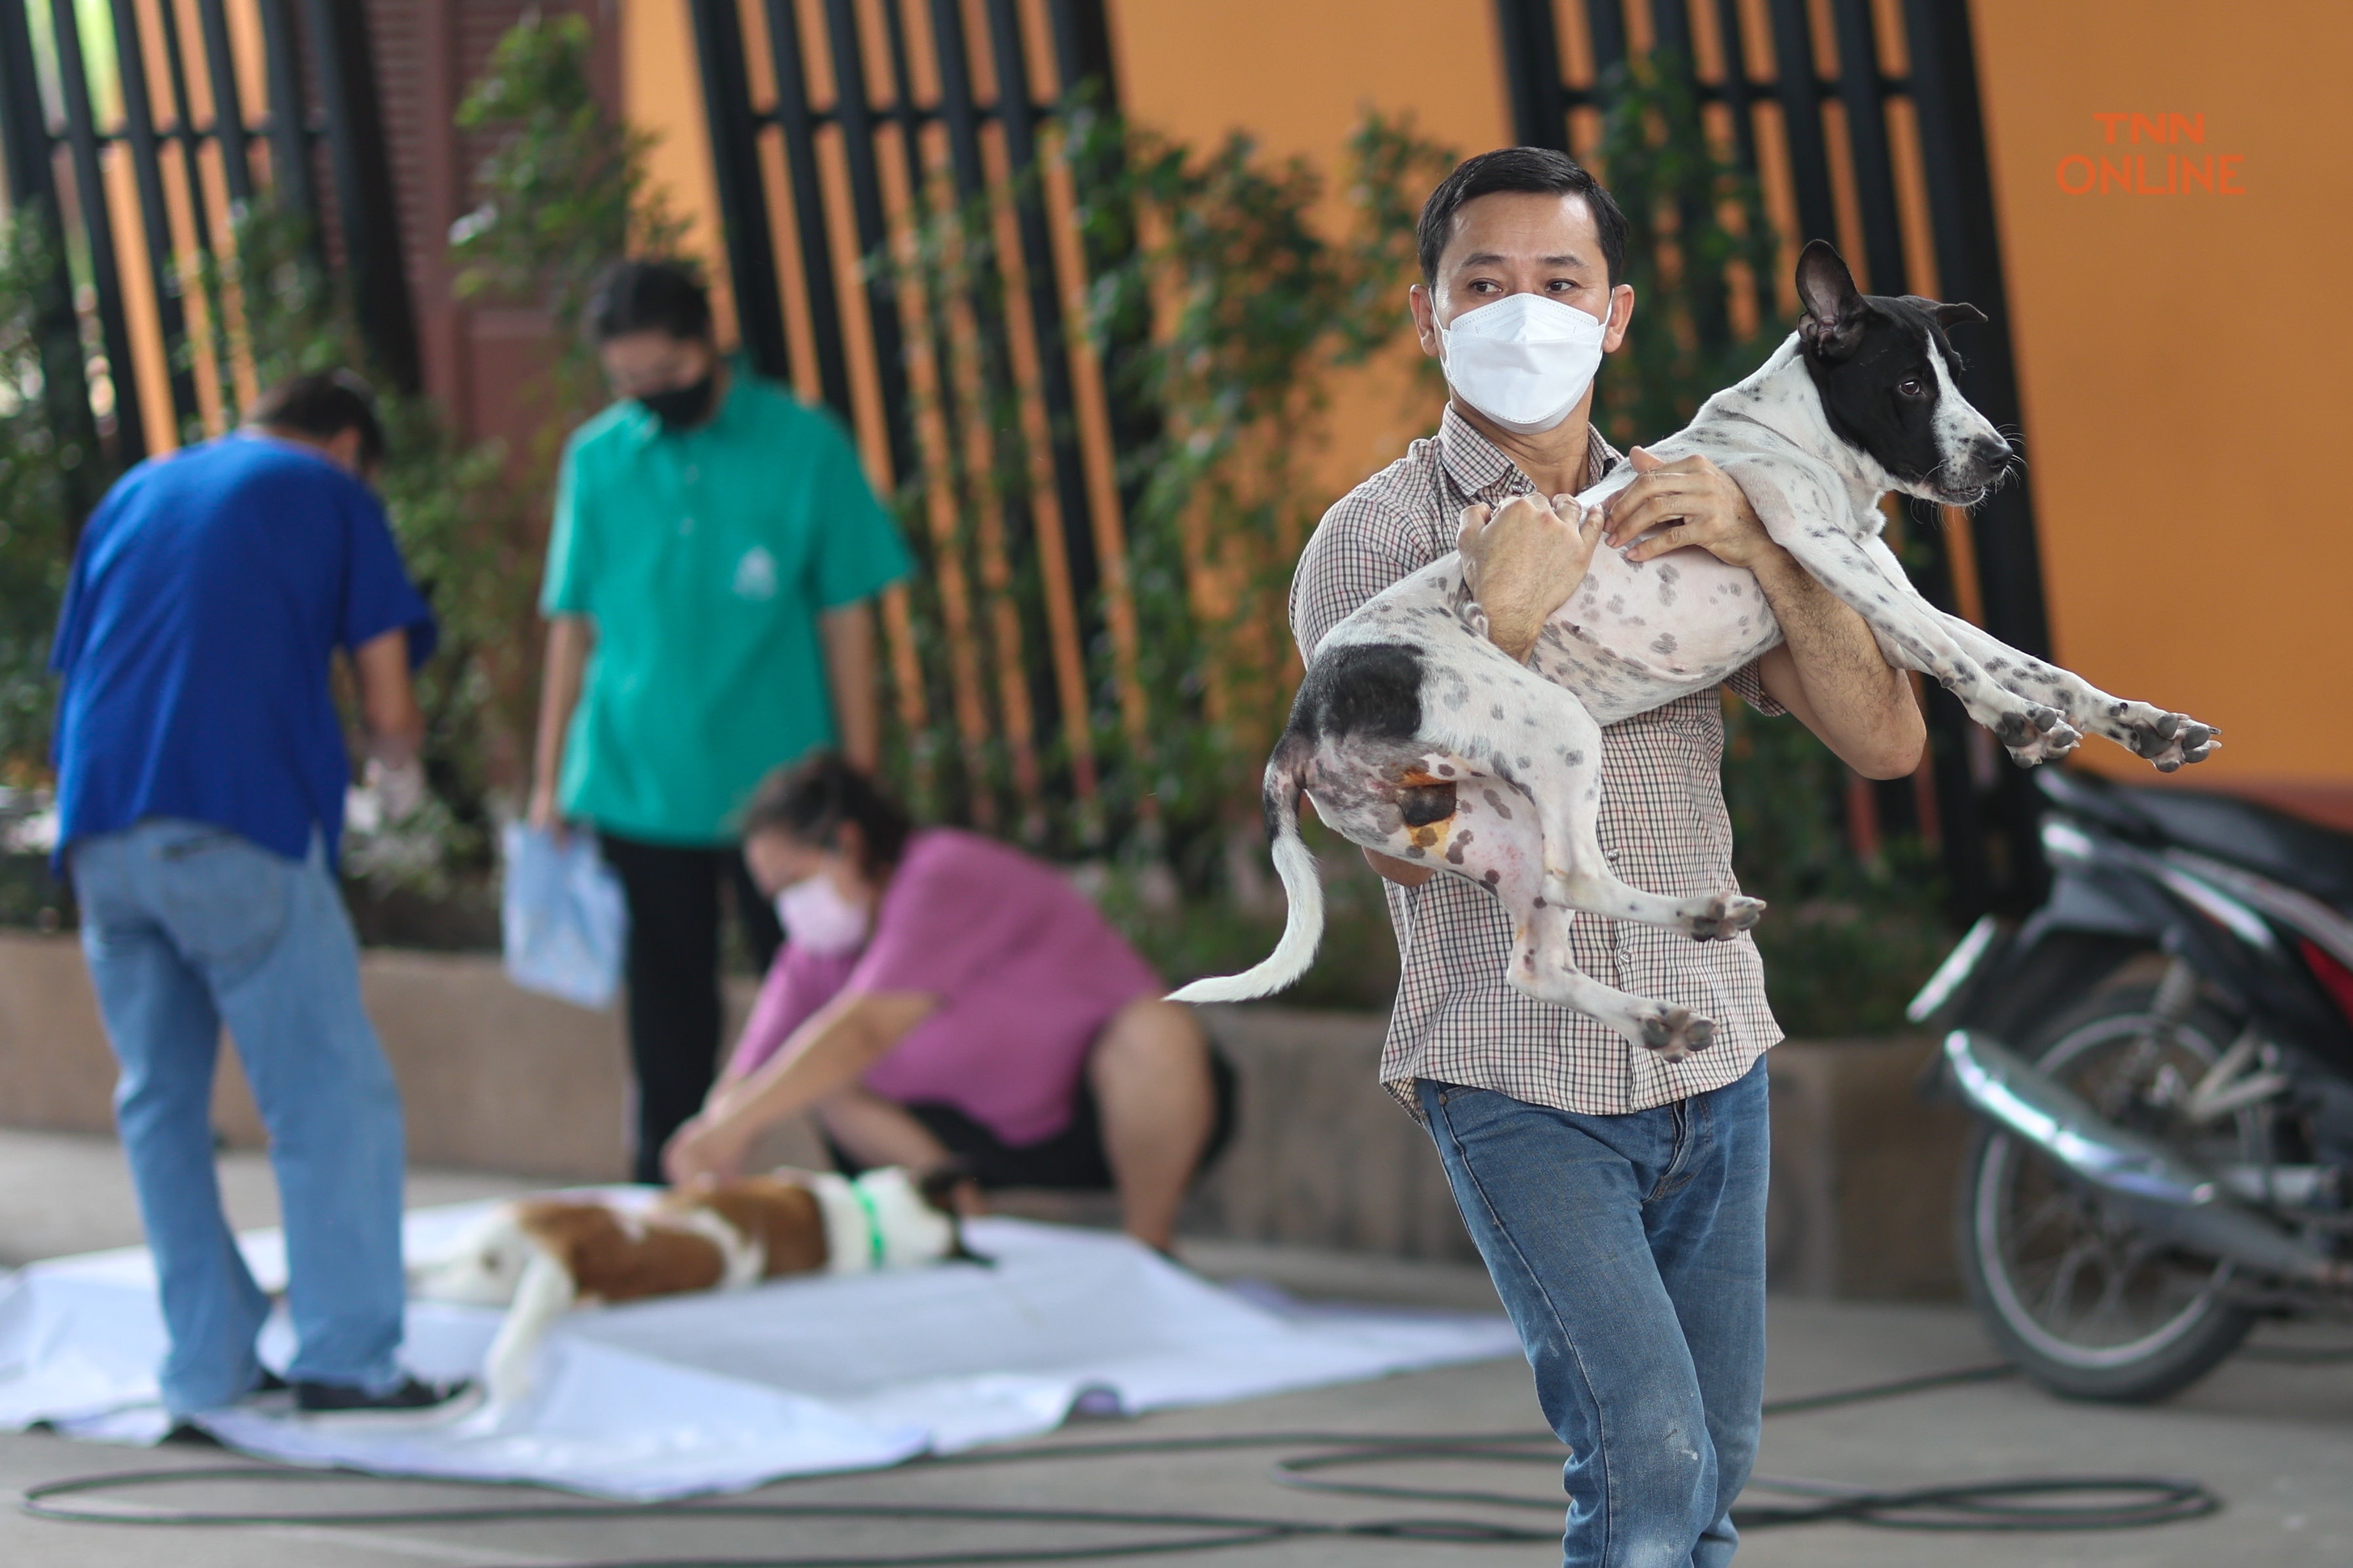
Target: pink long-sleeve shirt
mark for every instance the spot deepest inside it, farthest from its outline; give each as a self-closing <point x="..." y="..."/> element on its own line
<point x="1026" y="969"/>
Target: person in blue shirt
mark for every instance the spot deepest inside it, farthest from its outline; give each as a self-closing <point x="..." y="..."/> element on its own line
<point x="201" y="771"/>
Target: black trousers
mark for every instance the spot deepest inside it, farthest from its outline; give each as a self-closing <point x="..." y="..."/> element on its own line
<point x="674" y="897"/>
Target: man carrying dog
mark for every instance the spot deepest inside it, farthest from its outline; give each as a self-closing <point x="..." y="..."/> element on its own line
<point x="1618" y="1198"/>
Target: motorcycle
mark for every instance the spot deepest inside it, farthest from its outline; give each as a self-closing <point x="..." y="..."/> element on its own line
<point x="2160" y="1063"/>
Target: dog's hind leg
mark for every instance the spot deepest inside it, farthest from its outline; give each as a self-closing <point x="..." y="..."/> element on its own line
<point x="1548" y="748"/>
<point x="546" y="1293"/>
<point x="1505" y="854"/>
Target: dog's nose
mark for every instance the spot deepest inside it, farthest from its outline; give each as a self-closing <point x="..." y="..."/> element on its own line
<point x="1989" y="450"/>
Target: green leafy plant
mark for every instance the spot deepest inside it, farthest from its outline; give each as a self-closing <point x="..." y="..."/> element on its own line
<point x="1252" y="296"/>
<point x="1256" y="304"/>
<point x="1847" y="941"/>
<point x="35" y="531"/>
<point x="564" y="193"/>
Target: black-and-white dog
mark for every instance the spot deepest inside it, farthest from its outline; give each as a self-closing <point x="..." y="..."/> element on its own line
<point x="1417" y="737"/>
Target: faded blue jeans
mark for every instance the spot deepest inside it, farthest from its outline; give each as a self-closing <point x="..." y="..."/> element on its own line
<point x="187" y="926"/>
<point x="1630" y="1251"/>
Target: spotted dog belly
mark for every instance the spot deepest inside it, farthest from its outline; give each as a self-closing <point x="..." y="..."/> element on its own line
<point x="1638" y="635"/>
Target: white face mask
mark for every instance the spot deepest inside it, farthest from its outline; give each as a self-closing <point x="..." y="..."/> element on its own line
<point x="818" y="919"/>
<point x="1523" y="361"/>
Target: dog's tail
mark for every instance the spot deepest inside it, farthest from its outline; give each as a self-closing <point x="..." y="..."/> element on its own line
<point x="1302" y="928"/>
<point x="546" y="1293"/>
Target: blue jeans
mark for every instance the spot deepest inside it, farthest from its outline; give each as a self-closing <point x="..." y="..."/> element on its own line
<point x="1630" y="1251"/>
<point x="188" y="926"/>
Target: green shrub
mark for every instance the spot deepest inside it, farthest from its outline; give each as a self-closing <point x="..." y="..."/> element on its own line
<point x="1846" y="943"/>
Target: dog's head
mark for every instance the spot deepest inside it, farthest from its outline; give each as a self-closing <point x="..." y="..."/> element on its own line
<point x="1884" y="370"/>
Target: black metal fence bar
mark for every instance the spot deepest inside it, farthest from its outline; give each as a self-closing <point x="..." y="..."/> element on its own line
<point x="969" y="176"/>
<point x="1864" y="97"/>
<point x="154" y="214"/>
<point x="287" y="127"/>
<point x="183" y="134"/>
<point x="952" y="460"/>
<point x="1800" y="93"/>
<point x="742" y="199"/>
<point x="1736" y="93"/>
<point x="1967" y="236"/>
<point x="30" y="182"/>
<point x="993" y="398"/>
<point x="228" y="111"/>
<point x="794" y="116"/>
<point x="1042" y="281"/>
<point x="151" y="61"/>
<point x="97" y="222"/>
<point x="1939" y="84"/>
<point x="854" y="115"/>
<point x="342" y="58"/>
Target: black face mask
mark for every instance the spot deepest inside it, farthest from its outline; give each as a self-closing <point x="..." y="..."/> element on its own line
<point x="682" y="407"/>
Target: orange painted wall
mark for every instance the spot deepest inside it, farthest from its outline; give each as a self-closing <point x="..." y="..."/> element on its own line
<point x="2183" y="362"/>
<point x="1297" y="76"/>
<point x="2180" y="354"/>
<point x="661" y="95"/>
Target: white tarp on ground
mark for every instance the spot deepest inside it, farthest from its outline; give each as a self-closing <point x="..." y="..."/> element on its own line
<point x="706" y="1393"/>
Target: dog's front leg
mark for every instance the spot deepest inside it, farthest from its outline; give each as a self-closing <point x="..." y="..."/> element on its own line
<point x="1863" y="573"/>
<point x="2168" y="739"/>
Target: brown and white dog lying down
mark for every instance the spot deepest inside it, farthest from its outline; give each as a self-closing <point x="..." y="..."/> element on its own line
<point x="539" y="1257"/>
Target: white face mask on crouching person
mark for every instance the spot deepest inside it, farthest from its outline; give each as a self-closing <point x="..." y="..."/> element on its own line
<point x="819" y="920"/>
<point x="1523" y="361"/>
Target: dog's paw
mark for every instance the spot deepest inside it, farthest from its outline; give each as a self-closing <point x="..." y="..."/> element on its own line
<point x="2037" y="734"/>
<point x="2167" y="740"/>
<point x="1674" y="1033"/>
<point x="1723" y="917"/>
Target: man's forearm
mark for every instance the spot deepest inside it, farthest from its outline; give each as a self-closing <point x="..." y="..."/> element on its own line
<point x="848" y="633"/>
<point x="827" y="1053"/>
<point x="1835" y="679"/>
<point x="559" y="692"/>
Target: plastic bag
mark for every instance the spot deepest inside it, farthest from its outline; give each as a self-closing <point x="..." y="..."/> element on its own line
<point x="562" y="917"/>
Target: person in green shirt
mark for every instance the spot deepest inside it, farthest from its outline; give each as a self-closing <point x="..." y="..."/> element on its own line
<point x="715" y="550"/>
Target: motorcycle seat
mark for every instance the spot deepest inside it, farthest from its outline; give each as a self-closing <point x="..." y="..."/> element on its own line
<point x="2271" y="843"/>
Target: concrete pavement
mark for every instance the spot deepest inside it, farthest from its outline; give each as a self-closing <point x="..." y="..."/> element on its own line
<point x="2275" y="1439"/>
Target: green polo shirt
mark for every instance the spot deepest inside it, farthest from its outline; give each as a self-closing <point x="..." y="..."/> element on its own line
<point x="705" y="558"/>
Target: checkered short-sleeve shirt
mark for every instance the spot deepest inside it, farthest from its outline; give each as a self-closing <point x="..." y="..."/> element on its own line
<point x="1663" y="827"/>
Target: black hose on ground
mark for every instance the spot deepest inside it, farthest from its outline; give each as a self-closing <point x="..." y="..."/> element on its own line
<point x="2037" y="1504"/>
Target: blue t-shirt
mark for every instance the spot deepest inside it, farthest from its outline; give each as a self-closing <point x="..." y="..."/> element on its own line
<point x="210" y="594"/>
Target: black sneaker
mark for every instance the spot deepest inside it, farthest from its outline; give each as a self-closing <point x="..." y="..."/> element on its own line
<point x="413" y="1402"/>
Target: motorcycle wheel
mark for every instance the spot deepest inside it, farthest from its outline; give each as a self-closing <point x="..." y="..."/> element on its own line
<point x="2081" y="1301"/>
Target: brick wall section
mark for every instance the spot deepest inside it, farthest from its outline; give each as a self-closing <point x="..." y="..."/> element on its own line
<point x="479" y="359"/>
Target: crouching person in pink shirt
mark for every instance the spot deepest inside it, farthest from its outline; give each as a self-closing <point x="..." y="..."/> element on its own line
<point x="943" y="997"/>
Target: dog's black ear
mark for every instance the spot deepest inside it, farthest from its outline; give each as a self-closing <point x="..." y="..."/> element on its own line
<point x="1834" y="307"/>
<point x="1953" y="315"/>
<point x="937" y="1186"/>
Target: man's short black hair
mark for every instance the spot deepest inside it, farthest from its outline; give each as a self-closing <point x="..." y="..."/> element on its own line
<point x="1538" y="169"/>
<point x="649" y="297"/>
<point x="323" y="404"/>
